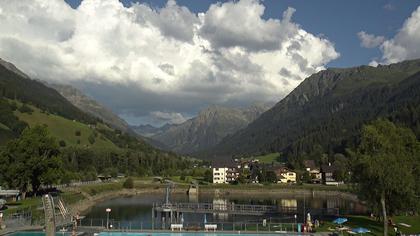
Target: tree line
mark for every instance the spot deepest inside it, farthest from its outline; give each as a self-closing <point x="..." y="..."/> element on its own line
<point x="35" y="159"/>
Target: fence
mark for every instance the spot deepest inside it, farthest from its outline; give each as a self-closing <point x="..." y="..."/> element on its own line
<point x="221" y="226"/>
<point x="73" y="184"/>
<point x="16" y="220"/>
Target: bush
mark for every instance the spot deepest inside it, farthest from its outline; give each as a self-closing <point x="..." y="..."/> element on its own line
<point x="208" y="176"/>
<point x="78" y="133"/>
<point x="62" y="143"/>
<point x="25" y="109"/>
<point x="91" y="139"/>
<point x="128" y="183"/>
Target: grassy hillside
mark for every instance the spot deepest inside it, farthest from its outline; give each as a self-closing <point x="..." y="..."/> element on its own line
<point x="65" y="129"/>
<point x="17" y="86"/>
<point x="268" y="158"/>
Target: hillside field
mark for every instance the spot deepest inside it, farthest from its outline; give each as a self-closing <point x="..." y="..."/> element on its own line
<point x="64" y="129"/>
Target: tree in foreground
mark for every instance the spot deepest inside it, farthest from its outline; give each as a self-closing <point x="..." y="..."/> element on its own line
<point x="31" y="160"/>
<point x="386" y="168"/>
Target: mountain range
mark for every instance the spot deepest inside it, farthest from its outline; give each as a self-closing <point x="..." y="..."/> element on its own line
<point x="90" y="106"/>
<point x="205" y="130"/>
<point x="328" y="109"/>
<point x="150" y="130"/>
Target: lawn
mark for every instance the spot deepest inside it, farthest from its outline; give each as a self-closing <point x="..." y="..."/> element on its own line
<point x="64" y="129"/>
<point x="101" y="187"/>
<point x="376" y="227"/>
<point x="27" y="205"/>
<point x="71" y="197"/>
<point x="268" y="159"/>
<point x="315" y="187"/>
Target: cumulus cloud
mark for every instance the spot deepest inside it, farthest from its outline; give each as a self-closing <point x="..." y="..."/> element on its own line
<point x="404" y="45"/>
<point x="370" y="40"/>
<point x="141" y="59"/>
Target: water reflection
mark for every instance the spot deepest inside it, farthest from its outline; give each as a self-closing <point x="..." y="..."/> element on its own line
<point x="136" y="212"/>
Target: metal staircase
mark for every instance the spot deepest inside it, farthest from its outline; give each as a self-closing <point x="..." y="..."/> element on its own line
<point x="55" y="218"/>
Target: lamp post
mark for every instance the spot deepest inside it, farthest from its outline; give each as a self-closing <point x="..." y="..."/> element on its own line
<point x="295" y="221"/>
<point x="108" y="210"/>
<point x="1" y="220"/>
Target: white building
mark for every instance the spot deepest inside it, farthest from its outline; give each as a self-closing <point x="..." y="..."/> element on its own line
<point x="219" y="175"/>
<point x="225" y="171"/>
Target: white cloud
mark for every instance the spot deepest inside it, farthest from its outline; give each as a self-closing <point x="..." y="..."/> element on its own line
<point x="370" y="40"/>
<point x="389" y="7"/>
<point x="405" y="44"/>
<point x="229" y="54"/>
<point x="168" y="117"/>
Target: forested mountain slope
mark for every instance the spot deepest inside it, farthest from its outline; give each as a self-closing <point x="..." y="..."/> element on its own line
<point x="328" y="109"/>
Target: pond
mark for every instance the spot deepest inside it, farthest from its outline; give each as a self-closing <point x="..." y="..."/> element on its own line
<point x="136" y="212"/>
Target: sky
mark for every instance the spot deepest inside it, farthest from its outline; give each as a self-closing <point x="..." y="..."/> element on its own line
<point x="158" y="61"/>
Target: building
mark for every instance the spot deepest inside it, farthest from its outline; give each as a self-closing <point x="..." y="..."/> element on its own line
<point x="219" y="175"/>
<point x="313" y="171"/>
<point x="225" y="172"/>
<point x="327" y="172"/>
<point x="285" y="175"/>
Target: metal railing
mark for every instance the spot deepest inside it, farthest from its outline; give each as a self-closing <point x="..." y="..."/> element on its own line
<point x="192" y="226"/>
<point x="230" y="208"/>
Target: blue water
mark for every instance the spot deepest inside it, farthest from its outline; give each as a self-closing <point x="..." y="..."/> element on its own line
<point x="27" y="233"/>
<point x="180" y="234"/>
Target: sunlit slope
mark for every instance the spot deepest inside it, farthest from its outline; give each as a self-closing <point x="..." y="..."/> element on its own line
<point x="65" y="129"/>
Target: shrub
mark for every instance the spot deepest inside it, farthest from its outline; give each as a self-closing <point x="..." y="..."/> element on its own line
<point x="78" y="133"/>
<point x="91" y="139"/>
<point x="62" y="143"/>
<point x="25" y="109"/>
<point x="128" y="183"/>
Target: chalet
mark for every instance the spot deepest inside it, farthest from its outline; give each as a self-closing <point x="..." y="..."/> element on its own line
<point x="284" y="175"/>
<point x="327" y="172"/>
<point x="313" y="170"/>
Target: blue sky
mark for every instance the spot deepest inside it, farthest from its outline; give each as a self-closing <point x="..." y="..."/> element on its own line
<point x="339" y="21"/>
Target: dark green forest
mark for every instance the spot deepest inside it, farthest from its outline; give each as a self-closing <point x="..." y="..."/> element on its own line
<point x="325" y="113"/>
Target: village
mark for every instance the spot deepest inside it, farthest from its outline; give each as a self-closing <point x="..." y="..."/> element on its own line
<point x="235" y="171"/>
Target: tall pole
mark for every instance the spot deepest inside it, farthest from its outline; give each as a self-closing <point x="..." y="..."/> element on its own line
<point x="304" y="209"/>
<point x="108" y="210"/>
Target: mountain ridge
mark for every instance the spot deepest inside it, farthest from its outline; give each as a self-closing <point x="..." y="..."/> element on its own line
<point x="207" y="128"/>
<point x="331" y="104"/>
<point x="89" y="105"/>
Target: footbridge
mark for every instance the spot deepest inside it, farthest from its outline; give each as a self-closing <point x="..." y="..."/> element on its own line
<point x="228" y="208"/>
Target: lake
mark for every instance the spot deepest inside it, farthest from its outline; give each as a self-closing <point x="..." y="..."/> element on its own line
<point x="136" y="212"/>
